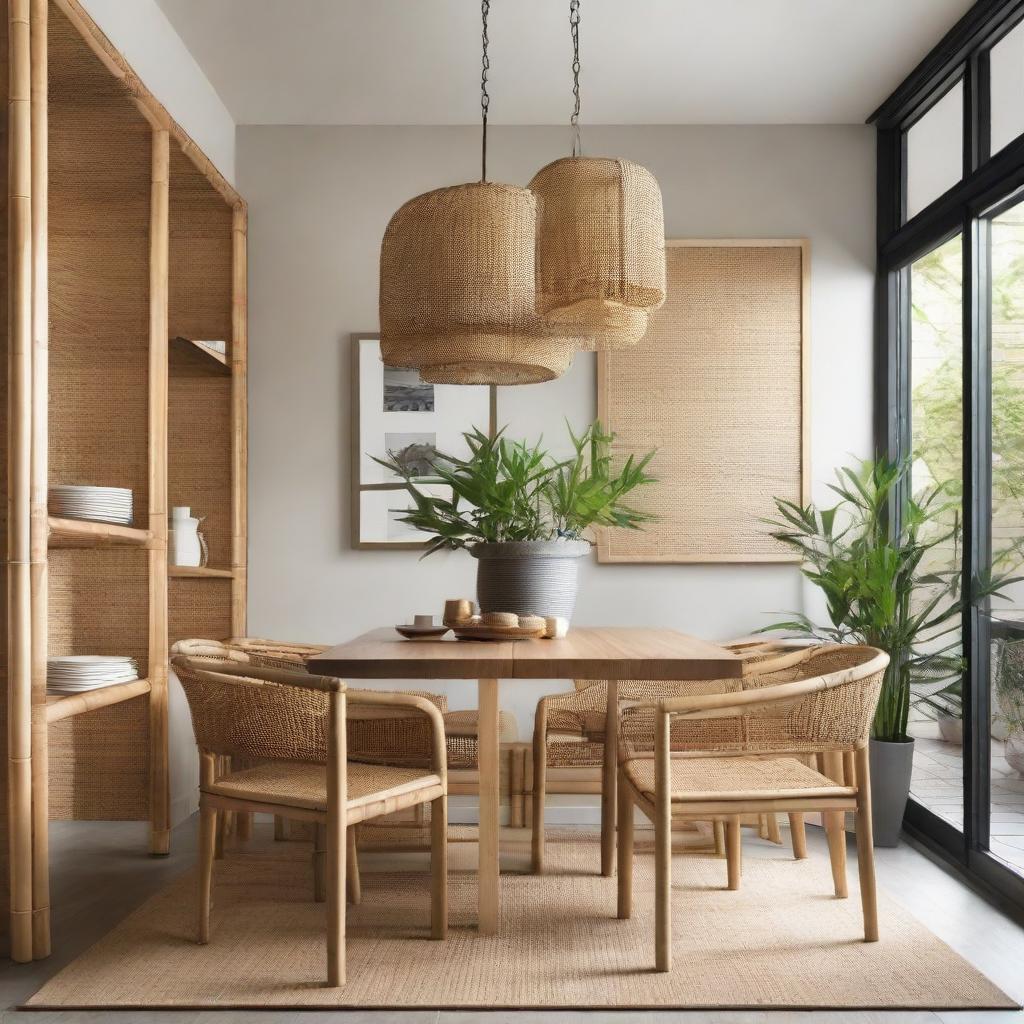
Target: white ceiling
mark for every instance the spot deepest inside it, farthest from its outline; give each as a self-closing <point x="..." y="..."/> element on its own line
<point x="644" y="61"/>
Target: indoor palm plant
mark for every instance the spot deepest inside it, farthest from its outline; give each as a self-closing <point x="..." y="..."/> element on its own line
<point x="896" y="589"/>
<point x="525" y="515"/>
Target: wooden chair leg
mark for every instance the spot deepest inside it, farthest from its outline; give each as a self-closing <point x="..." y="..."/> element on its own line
<point x="734" y="850"/>
<point x="335" y="872"/>
<point x="352" y="883"/>
<point x="798" y="835"/>
<point x="719" y="830"/>
<point x="774" y="835"/>
<point x="279" y="829"/>
<point x="419" y="814"/>
<point x="625" y="904"/>
<point x="243" y="825"/>
<point x="762" y="826"/>
<point x="319" y="851"/>
<point x="207" y="849"/>
<point x="831" y="763"/>
<point x="539" y="784"/>
<point x="866" y="848"/>
<point x="663" y="886"/>
<point x="221" y="829"/>
<point x="835" y="832"/>
<point x="439" y="868"/>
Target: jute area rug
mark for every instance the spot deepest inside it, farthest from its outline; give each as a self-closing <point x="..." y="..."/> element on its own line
<point x="783" y="940"/>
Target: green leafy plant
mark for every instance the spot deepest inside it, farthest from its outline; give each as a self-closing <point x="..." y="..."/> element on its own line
<point x="877" y="585"/>
<point x="513" y="491"/>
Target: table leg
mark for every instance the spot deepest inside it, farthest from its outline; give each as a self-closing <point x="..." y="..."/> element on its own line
<point x="608" y="780"/>
<point x="489" y="911"/>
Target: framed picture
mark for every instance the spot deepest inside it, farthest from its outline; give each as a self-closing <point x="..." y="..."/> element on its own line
<point x="397" y="414"/>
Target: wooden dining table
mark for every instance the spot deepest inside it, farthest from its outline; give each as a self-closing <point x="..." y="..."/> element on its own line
<point x="601" y="653"/>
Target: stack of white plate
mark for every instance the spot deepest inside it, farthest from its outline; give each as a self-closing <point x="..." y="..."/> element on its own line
<point x="103" y="504"/>
<point x="78" y="673"/>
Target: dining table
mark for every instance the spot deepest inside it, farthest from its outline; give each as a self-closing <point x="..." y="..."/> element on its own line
<point x="609" y="653"/>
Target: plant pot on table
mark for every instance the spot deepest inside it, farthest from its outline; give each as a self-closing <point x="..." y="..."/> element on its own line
<point x="529" y="577"/>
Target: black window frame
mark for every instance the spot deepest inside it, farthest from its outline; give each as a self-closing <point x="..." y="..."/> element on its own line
<point x="987" y="181"/>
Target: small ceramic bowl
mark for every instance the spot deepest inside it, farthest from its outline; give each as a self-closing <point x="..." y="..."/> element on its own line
<point x="413" y="632"/>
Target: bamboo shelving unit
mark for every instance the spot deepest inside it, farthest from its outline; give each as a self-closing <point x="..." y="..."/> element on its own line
<point x="124" y="242"/>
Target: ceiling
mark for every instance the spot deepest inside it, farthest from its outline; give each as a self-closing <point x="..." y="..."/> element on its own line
<point x="643" y="61"/>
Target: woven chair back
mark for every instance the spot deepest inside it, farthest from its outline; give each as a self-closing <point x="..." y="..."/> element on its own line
<point x="401" y="738"/>
<point x="250" y="717"/>
<point x="838" y="716"/>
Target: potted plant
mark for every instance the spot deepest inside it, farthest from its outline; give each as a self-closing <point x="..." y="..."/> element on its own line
<point x="945" y="706"/>
<point x="898" y="590"/>
<point x="1008" y="680"/>
<point x="524" y="515"/>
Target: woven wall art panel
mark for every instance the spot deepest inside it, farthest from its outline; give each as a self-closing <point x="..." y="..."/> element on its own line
<point x="718" y="385"/>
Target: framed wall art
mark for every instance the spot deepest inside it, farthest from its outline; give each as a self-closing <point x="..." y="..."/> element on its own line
<point x="719" y="385"/>
<point x="395" y="412"/>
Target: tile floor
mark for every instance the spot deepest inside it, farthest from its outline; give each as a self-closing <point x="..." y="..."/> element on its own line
<point x="120" y="877"/>
<point x="937" y="783"/>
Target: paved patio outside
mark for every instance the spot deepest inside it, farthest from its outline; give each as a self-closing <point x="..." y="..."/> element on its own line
<point x="937" y="783"/>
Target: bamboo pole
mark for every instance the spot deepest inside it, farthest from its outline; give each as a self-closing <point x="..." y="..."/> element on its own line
<point x="239" y="422"/>
<point x="79" y="703"/>
<point x="19" y="449"/>
<point x="160" y="796"/>
<point x="39" y="524"/>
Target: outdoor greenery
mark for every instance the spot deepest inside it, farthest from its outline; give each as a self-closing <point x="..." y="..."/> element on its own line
<point x="512" y="491"/>
<point x="876" y="587"/>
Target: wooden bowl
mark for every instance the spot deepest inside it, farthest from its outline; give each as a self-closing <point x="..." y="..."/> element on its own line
<point x="422" y="632"/>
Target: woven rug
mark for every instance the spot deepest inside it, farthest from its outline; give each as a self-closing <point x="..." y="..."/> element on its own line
<point x="783" y="940"/>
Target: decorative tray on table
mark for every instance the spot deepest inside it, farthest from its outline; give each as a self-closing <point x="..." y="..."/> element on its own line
<point x="479" y="631"/>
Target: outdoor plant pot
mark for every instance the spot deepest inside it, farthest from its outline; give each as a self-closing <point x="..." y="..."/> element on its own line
<point x="951" y="729"/>
<point x="528" y="577"/>
<point x="891" y="765"/>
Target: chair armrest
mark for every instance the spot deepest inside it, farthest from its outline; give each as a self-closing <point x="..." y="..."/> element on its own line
<point x="393" y="702"/>
<point x="283" y="677"/>
<point x="723" y="705"/>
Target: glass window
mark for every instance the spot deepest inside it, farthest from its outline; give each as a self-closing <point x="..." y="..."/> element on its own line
<point x="1006" y="627"/>
<point x="936" y="379"/>
<point x="935" y="148"/>
<point x="1006" y="69"/>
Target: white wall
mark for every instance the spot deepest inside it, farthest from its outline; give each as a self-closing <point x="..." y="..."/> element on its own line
<point x="148" y="41"/>
<point x="319" y="199"/>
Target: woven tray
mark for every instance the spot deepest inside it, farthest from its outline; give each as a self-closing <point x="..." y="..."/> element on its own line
<point x="478" y="632"/>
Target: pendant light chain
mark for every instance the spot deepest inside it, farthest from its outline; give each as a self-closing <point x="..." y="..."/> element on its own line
<point x="485" y="99"/>
<point x="574" y="26"/>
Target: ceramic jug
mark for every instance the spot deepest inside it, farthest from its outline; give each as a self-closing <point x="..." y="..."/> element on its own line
<point x="186" y="544"/>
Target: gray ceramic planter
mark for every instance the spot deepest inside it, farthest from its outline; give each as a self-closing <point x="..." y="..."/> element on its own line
<point x="891" y="765"/>
<point x="528" y="577"/>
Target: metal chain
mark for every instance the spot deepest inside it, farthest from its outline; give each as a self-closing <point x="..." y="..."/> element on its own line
<point x="574" y="27"/>
<point x="485" y="99"/>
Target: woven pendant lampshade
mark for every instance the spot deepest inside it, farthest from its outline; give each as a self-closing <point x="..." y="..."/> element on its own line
<point x="457" y="277"/>
<point x="600" y="248"/>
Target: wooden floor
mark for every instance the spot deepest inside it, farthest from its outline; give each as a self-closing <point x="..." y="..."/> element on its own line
<point x="100" y="874"/>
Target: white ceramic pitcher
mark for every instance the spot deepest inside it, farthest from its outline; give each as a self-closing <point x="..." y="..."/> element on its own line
<point x="187" y="546"/>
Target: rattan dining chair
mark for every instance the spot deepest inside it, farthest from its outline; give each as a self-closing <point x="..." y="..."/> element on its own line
<point x="751" y="760"/>
<point x="290" y="728"/>
<point x="387" y="740"/>
<point x="569" y="737"/>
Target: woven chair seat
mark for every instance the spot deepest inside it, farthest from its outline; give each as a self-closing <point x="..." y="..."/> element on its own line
<point x="461" y="729"/>
<point x="697" y="779"/>
<point x="296" y="784"/>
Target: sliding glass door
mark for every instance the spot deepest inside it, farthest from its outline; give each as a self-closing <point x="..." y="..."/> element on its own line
<point x="949" y="397"/>
<point x="1004" y="623"/>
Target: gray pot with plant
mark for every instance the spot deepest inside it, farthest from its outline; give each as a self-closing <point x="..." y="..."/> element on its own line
<point x="897" y="590"/>
<point x="524" y="515"/>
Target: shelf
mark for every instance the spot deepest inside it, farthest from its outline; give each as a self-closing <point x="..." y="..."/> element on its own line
<point x="188" y="572"/>
<point x="83" y="533"/>
<point x="60" y="707"/>
<point x="198" y="357"/>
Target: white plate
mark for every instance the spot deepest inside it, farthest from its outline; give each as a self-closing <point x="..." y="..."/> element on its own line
<point x="89" y="659"/>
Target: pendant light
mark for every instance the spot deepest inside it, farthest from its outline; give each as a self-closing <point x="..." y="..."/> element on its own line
<point x="600" y="238"/>
<point x="457" y="279"/>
